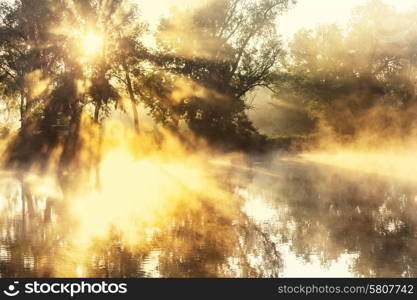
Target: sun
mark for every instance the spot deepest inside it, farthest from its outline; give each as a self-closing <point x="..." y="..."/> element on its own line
<point x="92" y="43"/>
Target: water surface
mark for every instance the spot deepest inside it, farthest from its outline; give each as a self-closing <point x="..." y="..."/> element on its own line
<point x="289" y="218"/>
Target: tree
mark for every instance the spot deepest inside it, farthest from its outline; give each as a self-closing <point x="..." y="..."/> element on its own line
<point x="120" y="28"/>
<point x="358" y="79"/>
<point x="24" y="56"/>
<point x="64" y="60"/>
<point x="208" y="60"/>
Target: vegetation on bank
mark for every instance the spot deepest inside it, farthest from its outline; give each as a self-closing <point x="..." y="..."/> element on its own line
<point x="62" y="60"/>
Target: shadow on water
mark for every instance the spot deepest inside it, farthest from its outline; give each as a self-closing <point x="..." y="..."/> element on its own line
<point x="309" y="215"/>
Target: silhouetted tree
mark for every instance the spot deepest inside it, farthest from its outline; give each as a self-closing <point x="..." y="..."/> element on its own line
<point x="209" y="59"/>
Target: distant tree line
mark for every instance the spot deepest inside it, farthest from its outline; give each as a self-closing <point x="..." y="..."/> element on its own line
<point x="357" y="79"/>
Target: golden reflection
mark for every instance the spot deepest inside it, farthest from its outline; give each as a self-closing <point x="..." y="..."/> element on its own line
<point x="139" y="187"/>
<point x="311" y="220"/>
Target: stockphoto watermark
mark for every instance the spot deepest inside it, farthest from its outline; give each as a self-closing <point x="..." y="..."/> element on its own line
<point x="72" y="289"/>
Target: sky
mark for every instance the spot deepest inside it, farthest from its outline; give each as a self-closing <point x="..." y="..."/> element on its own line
<point x="153" y="10"/>
<point x="310" y="13"/>
<point x="305" y="14"/>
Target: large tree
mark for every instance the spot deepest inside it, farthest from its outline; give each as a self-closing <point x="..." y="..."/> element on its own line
<point x="63" y="59"/>
<point x="209" y="59"/>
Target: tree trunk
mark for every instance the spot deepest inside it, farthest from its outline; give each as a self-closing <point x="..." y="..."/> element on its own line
<point x="22" y="109"/>
<point x="132" y="98"/>
<point x="97" y="112"/>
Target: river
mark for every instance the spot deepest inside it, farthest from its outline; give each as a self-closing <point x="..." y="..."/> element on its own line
<point x="289" y="218"/>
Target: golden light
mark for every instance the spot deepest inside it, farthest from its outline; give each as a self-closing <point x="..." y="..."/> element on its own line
<point x="140" y="187"/>
<point x="92" y="43"/>
<point x="398" y="164"/>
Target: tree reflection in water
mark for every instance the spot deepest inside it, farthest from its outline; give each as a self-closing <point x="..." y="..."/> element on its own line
<point x="196" y="241"/>
<point x="317" y="212"/>
<point x="328" y="212"/>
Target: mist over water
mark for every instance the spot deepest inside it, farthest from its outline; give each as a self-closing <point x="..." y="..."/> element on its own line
<point x="285" y="217"/>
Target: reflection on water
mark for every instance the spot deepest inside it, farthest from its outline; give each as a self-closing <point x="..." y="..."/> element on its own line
<point x="306" y="220"/>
